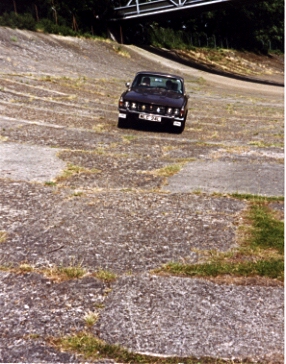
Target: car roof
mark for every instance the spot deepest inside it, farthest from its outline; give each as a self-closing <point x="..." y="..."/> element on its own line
<point x="159" y="74"/>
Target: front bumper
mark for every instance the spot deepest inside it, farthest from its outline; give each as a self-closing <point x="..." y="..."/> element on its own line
<point x="150" y="118"/>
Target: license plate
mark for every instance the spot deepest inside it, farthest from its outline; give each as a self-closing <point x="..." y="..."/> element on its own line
<point x="150" y="117"/>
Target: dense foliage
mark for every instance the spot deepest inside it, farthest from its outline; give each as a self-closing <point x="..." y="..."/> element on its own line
<point x="254" y="25"/>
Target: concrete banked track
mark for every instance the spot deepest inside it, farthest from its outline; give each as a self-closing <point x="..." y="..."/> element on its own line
<point x="76" y="191"/>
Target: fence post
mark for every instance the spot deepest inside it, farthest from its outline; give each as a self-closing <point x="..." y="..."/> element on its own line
<point x="15" y="7"/>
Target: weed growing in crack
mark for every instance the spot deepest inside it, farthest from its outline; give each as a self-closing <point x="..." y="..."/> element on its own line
<point x="93" y="348"/>
<point x="261" y="251"/>
<point x="50" y="183"/>
<point x="122" y="52"/>
<point x="105" y="275"/>
<point x="75" y="170"/>
<point x="90" y="318"/>
<point x="168" y="171"/>
<point x="3" y="236"/>
<point x="65" y="273"/>
<point x="25" y="268"/>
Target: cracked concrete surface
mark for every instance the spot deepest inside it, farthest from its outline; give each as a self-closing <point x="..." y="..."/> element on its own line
<point x="58" y="102"/>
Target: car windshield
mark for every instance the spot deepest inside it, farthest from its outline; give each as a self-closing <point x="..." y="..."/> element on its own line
<point x="158" y="81"/>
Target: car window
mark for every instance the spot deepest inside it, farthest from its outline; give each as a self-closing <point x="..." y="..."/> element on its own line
<point x="155" y="81"/>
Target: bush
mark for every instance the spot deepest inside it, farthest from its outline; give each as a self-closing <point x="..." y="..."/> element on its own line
<point x="167" y="38"/>
<point x="12" y="20"/>
<point x="49" y="26"/>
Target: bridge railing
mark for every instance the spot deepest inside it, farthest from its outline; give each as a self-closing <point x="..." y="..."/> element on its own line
<point x="139" y="8"/>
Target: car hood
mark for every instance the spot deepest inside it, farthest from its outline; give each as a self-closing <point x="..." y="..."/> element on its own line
<point x="158" y="96"/>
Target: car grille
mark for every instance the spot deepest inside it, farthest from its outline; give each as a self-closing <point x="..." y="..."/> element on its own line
<point x="154" y="109"/>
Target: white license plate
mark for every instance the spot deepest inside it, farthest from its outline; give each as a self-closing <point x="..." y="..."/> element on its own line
<point x="150" y="117"/>
<point x="122" y="116"/>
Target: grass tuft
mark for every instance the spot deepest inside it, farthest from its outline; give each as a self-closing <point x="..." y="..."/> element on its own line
<point x="93" y="348"/>
<point x="105" y="275"/>
<point x="90" y="318"/>
<point x="267" y="232"/>
<point x="25" y="268"/>
<point x="272" y="268"/>
<point x="3" y="236"/>
<point x="65" y="273"/>
<point x="73" y="170"/>
<point x="169" y="171"/>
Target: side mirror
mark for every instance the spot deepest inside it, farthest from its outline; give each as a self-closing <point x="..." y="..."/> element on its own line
<point x="127" y="84"/>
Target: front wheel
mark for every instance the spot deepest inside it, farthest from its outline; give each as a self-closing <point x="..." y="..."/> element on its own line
<point x="179" y="129"/>
<point x="122" y="123"/>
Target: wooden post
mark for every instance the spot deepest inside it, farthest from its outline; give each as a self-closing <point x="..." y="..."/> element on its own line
<point x="121" y="35"/>
<point x="75" y="26"/>
<point x="15" y="7"/>
<point x="55" y="12"/>
<point x="37" y="14"/>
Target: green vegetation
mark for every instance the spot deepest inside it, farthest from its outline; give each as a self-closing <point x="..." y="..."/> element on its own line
<point x="3" y="236"/>
<point x="90" y="318"/>
<point x="261" y="251"/>
<point x="252" y="25"/>
<point x="22" y="21"/>
<point x="73" y="271"/>
<point x="50" y="183"/>
<point x="169" y="171"/>
<point x="272" y="268"/>
<point x="63" y="273"/>
<point x="93" y="348"/>
<point x="267" y="232"/>
<point x="25" y="268"/>
<point x="73" y="170"/>
<point x="105" y="275"/>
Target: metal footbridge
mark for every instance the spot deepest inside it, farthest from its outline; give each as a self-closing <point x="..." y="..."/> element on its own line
<point x="133" y="9"/>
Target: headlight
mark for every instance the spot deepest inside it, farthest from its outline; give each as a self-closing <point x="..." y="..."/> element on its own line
<point x="126" y="104"/>
<point x="133" y="105"/>
<point x="169" y="111"/>
<point x="177" y="111"/>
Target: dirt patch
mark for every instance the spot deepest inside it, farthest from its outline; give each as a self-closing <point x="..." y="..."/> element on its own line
<point x="78" y="191"/>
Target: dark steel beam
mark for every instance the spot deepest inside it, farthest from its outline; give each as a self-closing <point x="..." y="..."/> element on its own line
<point x="140" y="8"/>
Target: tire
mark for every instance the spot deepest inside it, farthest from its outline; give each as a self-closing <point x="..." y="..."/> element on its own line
<point x="122" y="123"/>
<point x="179" y="129"/>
